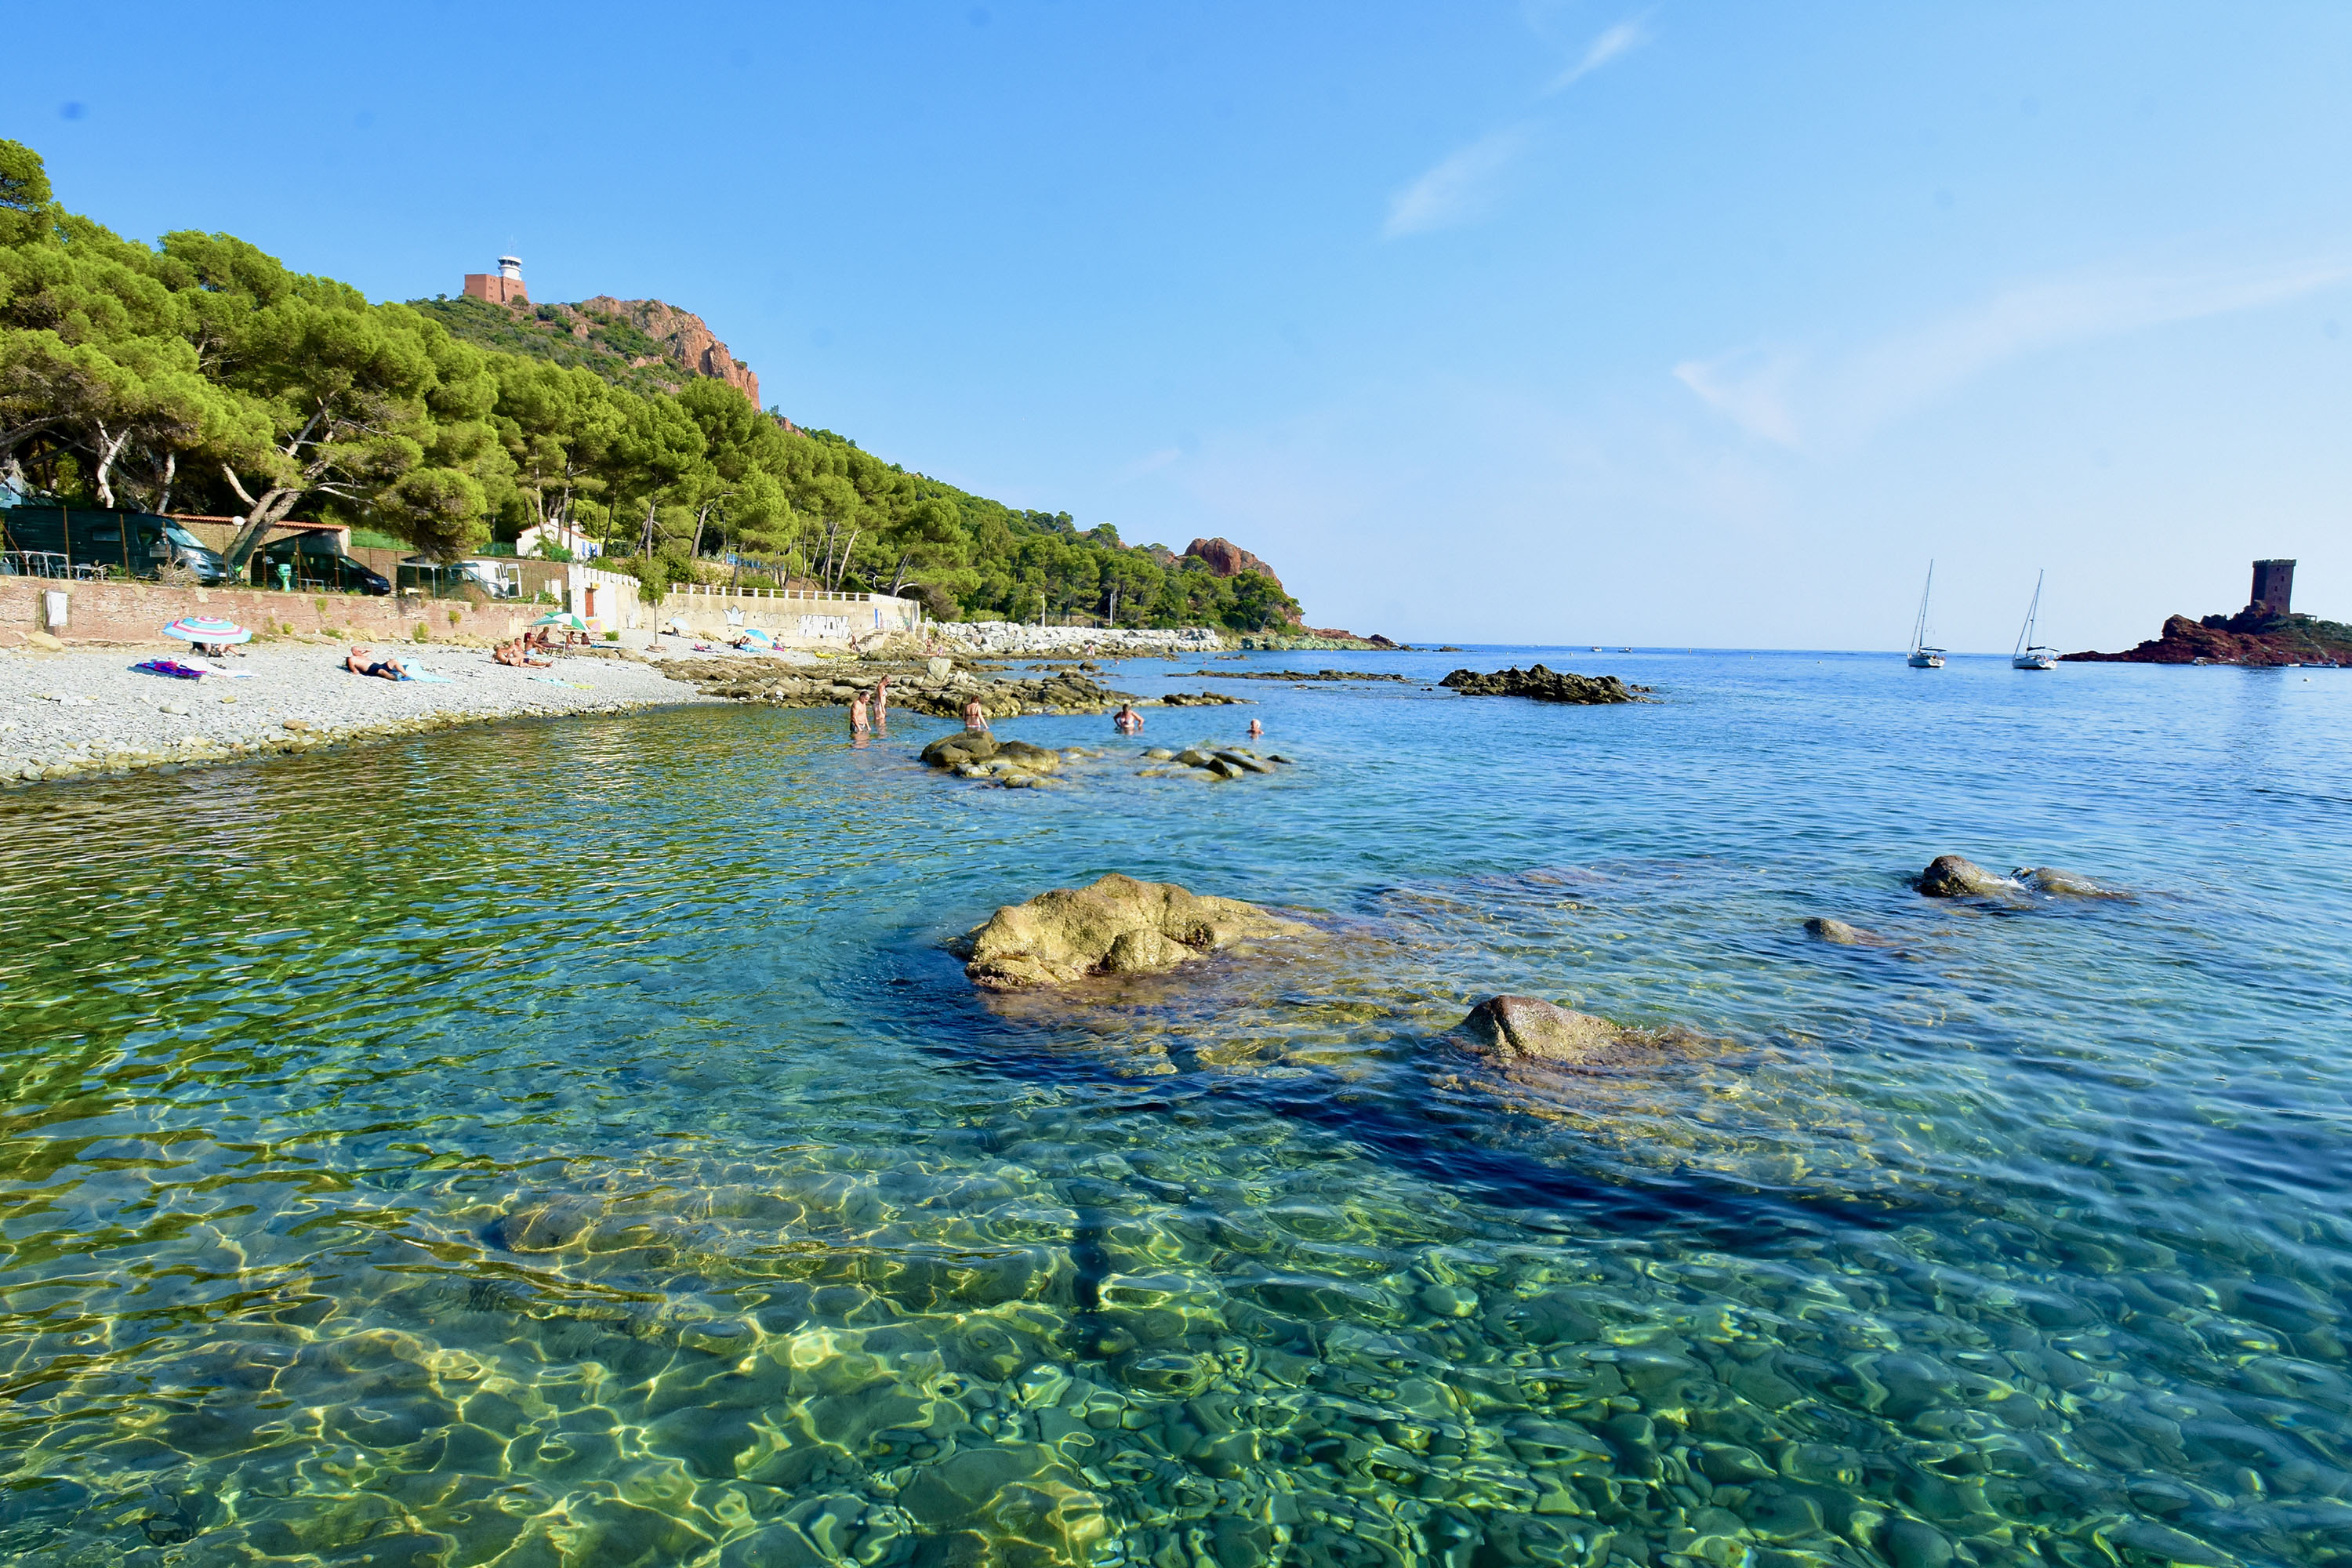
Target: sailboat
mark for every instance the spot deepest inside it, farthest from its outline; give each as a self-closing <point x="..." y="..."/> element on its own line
<point x="1922" y="655"/>
<point x="2031" y="654"/>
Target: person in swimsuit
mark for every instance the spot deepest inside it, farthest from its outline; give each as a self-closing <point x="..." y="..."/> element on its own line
<point x="1256" y="729"/>
<point x="359" y="664"/>
<point x="1126" y="720"/>
<point x="857" y="714"/>
<point x="882" y="704"/>
<point x="976" y="717"/>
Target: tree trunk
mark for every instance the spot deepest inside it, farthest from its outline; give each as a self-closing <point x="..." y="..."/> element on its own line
<point x="261" y="517"/>
<point x="171" y="471"/>
<point x="110" y="448"/>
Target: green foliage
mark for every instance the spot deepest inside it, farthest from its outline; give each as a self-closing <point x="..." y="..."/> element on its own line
<point x="202" y="374"/>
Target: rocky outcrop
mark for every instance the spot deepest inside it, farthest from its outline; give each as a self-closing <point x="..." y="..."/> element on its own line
<point x="2247" y="637"/>
<point x="1957" y="877"/>
<point x="1198" y="700"/>
<point x="2066" y="884"/>
<point x="1514" y="1028"/>
<point x="1223" y="762"/>
<point x="1543" y="685"/>
<point x="686" y="340"/>
<point x="1299" y="675"/>
<point x="1115" y="926"/>
<point x="915" y="687"/>
<point x="1226" y="558"/>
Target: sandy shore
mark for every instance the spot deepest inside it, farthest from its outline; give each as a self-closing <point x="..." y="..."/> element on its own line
<point x="87" y="712"/>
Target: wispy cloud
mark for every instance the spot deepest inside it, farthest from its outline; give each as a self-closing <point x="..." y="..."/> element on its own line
<point x="1616" y="42"/>
<point x="1460" y="188"/>
<point x="1816" y="401"/>
<point x="1150" y="463"/>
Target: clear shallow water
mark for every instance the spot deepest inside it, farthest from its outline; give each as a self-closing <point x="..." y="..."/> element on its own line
<point x="568" y="1143"/>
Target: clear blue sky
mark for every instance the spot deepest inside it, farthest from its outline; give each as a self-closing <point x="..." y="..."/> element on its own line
<point x="1695" y="324"/>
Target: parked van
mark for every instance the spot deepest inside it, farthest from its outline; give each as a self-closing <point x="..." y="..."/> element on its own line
<point x="42" y="539"/>
<point x="319" y="562"/>
<point x="451" y="579"/>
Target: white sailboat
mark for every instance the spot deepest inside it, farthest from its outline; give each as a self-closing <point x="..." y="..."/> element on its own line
<point x="2031" y="654"/>
<point x="1922" y="655"/>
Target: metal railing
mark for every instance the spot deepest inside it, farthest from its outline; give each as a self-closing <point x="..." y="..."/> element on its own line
<point x="47" y="563"/>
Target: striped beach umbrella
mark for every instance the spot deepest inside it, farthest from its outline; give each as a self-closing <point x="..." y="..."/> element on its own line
<point x="207" y="629"/>
<point x="562" y="619"/>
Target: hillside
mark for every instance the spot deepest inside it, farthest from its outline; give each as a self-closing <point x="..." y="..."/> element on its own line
<point x="197" y="373"/>
<point x="642" y="344"/>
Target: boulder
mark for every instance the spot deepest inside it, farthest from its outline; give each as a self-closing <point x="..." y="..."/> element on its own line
<point x="2050" y="880"/>
<point x="45" y="642"/>
<point x="939" y="669"/>
<point x="1021" y="755"/>
<point x="1511" y="1027"/>
<point x="1829" y="928"/>
<point x="949" y="750"/>
<point x="1245" y="760"/>
<point x="1954" y="877"/>
<point x="1115" y="926"/>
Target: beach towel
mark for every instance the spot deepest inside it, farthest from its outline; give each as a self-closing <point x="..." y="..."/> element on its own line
<point x="425" y="675"/>
<point x="575" y="684"/>
<point x="171" y="666"/>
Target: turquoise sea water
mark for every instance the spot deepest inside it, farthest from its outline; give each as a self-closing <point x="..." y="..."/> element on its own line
<point x="570" y="1143"/>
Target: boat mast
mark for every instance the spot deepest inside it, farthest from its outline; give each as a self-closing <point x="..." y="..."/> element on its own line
<point x="1919" y="629"/>
<point x="2032" y="614"/>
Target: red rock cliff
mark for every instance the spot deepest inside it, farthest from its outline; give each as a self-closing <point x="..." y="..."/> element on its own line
<point x="688" y="341"/>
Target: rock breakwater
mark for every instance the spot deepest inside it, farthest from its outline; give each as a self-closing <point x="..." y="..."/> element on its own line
<point x="1011" y="638"/>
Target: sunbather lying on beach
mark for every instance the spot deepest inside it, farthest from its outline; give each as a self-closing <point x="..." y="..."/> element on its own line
<point x="358" y="663"/>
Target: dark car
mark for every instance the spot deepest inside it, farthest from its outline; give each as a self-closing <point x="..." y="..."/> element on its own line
<point x="319" y="562"/>
<point x="53" y="540"/>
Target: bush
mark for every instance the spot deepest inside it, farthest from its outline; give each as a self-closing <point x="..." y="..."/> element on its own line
<point x="421" y="634"/>
<point x="455" y="614"/>
<point x="612" y="636"/>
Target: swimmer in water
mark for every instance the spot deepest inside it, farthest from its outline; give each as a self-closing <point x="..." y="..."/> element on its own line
<point x="1256" y="729"/>
<point x="1126" y="720"/>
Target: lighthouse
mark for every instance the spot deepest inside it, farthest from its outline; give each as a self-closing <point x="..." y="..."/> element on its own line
<point x="503" y="287"/>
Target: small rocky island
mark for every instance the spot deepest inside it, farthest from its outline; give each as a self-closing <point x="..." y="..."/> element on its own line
<point x="2266" y="634"/>
<point x="1117" y="925"/>
<point x="1545" y="686"/>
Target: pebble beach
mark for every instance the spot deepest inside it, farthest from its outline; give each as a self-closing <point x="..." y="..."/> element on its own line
<point x="87" y="711"/>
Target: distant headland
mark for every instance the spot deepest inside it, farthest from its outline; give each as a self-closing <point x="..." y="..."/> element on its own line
<point x="2266" y="632"/>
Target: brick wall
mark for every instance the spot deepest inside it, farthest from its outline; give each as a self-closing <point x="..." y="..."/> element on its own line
<point x="136" y="612"/>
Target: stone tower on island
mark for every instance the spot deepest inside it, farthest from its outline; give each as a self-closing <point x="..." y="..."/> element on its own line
<point x="2273" y="588"/>
<point x="503" y="287"/>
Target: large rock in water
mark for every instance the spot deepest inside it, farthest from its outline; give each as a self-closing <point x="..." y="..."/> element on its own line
<point x="1543" y="685"/>
<point x="1955" y="876"/>
<point x="1117" y="926"/>
<point x="1516" y="1027"/>
<point x="2050" y="880"/>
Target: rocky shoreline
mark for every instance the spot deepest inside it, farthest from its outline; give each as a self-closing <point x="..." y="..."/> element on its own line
<point x="994" y="638"/>
<point x="1545" y="686"/>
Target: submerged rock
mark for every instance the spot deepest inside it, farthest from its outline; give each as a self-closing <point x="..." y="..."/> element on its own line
<point x="949" y="750"/>
<point x="1543" y="685"/>
<point x="1829" y="928"/>
<point x="1115" y="926"/>
<point x="2050" y="880"/>
<point x="1513" y="1027"/>
<point x="1954" y="877"/>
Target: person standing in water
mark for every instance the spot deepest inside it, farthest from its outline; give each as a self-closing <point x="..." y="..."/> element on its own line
<point x="1126" y="720"/>
<point x="882" y="704"/>
<point x="976" y="717"/>
<point x="858" y="715"/>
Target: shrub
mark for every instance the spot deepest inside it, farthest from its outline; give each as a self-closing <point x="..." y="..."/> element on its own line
<point x="421" y="634"/>
<point x="612" y="636"/>
<point x="454" y="615"/>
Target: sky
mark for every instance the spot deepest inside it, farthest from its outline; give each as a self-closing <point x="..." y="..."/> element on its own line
<point x="1548" y="322"/>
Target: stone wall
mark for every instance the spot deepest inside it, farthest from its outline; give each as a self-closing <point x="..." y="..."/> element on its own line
<point x="136" y="612"/>
<point x="794" y="617"/>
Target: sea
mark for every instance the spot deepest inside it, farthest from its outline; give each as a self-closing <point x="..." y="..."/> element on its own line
<point x="576" y="1142"/>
